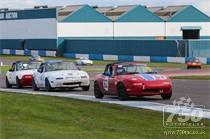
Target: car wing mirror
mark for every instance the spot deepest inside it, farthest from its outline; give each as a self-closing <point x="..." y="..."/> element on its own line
<point x="39" y="70"/>
<point x="107" y="74"/>
<point x="11" y="70"/>
<point x="155" y="71"/>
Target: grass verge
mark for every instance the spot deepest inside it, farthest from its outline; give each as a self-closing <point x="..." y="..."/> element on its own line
<point x="194" y="77"/>
<point x="102" y="63"/>
<point x="4" y="69"/>
<point x="42" y="117"/>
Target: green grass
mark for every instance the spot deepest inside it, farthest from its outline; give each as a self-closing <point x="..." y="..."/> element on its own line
<point x="43" y="117"/>
<point x="93" y="69"/>
<point x="102" y="63"/>
<point x="194" y="77"/>
<point x="4" y="69"/>
<point x="12" y="57"/>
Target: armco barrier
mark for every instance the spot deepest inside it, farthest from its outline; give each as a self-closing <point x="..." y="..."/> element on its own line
<point x="134" y="58"/>
<point x="103" y="57"/>
<point x="28" y="52"/>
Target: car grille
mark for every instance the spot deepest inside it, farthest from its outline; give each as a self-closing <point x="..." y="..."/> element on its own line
<point x="74" y="83"/>
<point x="152" y="90"/>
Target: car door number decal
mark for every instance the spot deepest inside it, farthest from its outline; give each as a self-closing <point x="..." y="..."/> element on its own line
<point x="106" y="84"/>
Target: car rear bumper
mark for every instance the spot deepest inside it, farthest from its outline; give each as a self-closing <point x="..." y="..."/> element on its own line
<point x="26" y="80"/>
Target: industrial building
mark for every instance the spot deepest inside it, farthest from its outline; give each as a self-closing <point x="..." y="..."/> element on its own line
<point x="64" y="30"/>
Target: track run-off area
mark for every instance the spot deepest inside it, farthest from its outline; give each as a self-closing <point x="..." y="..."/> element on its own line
<point x="197" y="90"/>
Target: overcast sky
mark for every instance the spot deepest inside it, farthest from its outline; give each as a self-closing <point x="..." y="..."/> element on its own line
<point x="203" y="5"/>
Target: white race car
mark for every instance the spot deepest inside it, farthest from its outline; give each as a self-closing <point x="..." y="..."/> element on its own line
<point x="20" y="74"/>
<point x="59" y="74"/>
<point x="84" y="61"/>
<point x="36" y="58"/>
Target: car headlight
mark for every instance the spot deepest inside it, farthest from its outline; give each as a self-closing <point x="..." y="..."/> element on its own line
<point x="137" y="84"/>
<point x="59" y="78"/>
<point x="84" y="77"/>
<point x="134" y="79"/>
<point x="166" y="83"/>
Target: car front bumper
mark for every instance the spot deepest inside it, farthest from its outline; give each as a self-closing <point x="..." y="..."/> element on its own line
<point x="70" y="83"/>
<point x="149" y="89"/>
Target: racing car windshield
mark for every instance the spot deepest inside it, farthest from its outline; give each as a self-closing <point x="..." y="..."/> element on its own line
<point x="193" y="60"/>
<point x="134" y="69"/>
<point x="27" y="66"/>
<point x="60" y="66"/>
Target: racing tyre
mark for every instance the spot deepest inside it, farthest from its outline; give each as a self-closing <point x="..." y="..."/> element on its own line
<point x="18" y="83"/>
<point x="97" y="91"/>
<point x="122" y="93"/>
<point x="166" y="96"/>
<point x="48" y="86"/>
<point x="34" y="86"/>
<point x="8" y="85"/>
<point x="85" y="88"/>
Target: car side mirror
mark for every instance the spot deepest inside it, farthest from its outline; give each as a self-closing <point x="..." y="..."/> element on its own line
<point x="107" y="74"/>
<point x="11" y="70"/>
<point x="39" y="70"/>
<point x="155" y="72"/>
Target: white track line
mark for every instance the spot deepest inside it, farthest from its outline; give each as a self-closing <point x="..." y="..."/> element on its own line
<point x="135" y="104"/>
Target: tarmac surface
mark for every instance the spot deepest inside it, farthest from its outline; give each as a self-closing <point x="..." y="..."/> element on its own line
<point x="197" y="90"/>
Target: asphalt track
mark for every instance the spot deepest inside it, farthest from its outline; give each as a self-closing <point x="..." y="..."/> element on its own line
<point x="198" y="91"/>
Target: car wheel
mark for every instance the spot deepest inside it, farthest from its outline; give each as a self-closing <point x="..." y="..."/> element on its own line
<point x="167" y="96"/>
<point x="8" y="85"/>
<point x="97" y="91"/>
<point x="48" y="86"/>
<point x="85" y="88"/>
<point x="188" y="67"/>
<point x="18" y="83"/>
<point x="122" y="93"/>
<point x="34" y="86"/>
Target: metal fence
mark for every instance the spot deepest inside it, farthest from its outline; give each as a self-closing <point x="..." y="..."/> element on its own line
<point x="199" y="48"/>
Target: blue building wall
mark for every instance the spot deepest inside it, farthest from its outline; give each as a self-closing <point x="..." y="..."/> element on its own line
<point x="33" y="44"/>
<point x="31" y="14"/>
<point x="124" y="47"/>
<point x="199" y="48"/>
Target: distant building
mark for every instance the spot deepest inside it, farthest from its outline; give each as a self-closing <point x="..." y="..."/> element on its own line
<point x="47" y="28"/>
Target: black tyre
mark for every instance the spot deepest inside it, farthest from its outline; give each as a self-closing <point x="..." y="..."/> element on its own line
<point x="97" y="91"/>
<point x="48" y="86"/>
<point x="122" y="93"/>
<point x="167" y="96"/>
<point x="34" y="86"/>
<point x="8" y="85"/>
<point x="18" y="83"/>
<point x="85" y="88"/>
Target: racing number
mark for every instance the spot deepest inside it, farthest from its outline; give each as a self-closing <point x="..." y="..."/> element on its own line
<point x="106" y="83"/>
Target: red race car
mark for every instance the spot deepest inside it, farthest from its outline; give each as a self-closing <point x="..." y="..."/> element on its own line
<point x="131" y="79"/>
<point x="193" y="63"/>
